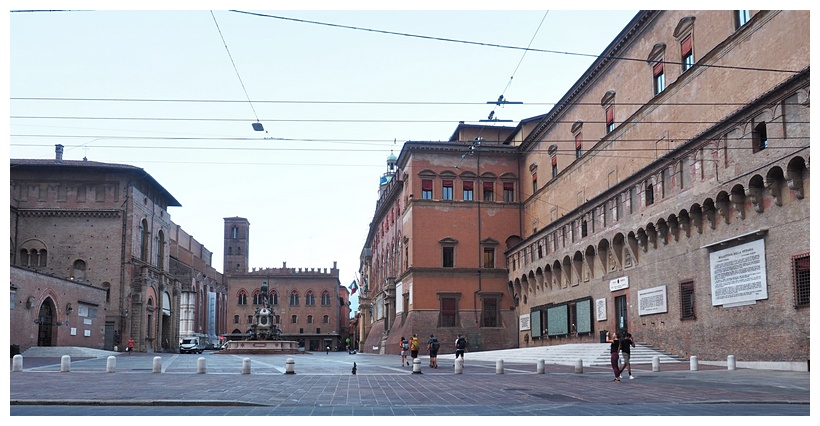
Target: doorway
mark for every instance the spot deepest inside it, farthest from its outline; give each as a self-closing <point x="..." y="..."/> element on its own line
<point x="620" y="314"/>
<point x="45" y="321"/>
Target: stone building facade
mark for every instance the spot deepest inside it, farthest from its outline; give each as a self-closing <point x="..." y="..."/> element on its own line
<point x="105" y="226"/>
<point x="310" y="305"/>
<point x="675" y="203"/>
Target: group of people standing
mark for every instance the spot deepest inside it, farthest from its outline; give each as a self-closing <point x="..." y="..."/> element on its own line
<point x="620" y="345"/>
<point x="413" y="345"/>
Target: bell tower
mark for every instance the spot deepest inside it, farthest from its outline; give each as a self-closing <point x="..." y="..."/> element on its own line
<point x="235" y="253"/>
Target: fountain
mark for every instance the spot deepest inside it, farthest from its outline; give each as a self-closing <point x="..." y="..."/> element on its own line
<point x="264" y="337"/>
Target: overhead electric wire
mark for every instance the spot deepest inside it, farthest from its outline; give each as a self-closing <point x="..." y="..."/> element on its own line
<point x="476" y="43"/>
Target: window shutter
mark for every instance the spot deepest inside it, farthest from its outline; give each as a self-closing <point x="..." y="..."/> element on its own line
<point x="610" y="115"/>
<point x="578" y="141"/>
<point x="488" y="186"/>
<point x="427" y="185"/>
<point x="554" y="161"/>
<point x="447" y="183"/>
<point x="508" y="186"/>
<point x="657" y="69"/>
<point x="686" y="46"/>
<point x="468" y="186"/>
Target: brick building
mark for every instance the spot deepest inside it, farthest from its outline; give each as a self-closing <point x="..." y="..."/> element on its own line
<point x="310" y="305"/>
<point x="666" y="194"/>
<point x="105" y="226"/>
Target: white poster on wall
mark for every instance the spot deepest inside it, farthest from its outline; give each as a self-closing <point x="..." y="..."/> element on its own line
<point x="652" y="300"/>
<point x="600" y="309"/>
<point x="739" y="274"/>
<point x="523" y="322"/>
<point x="619" y="284"/>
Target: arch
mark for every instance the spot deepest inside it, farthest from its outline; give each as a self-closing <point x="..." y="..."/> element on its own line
<point x="33" y="253"/>
<point x="144" y="239"/>
<point x="696" y="216"/>
<point x="663" y="231"/>
<point x="775" y="181"/>
<point x="160" y="250"/>
<point x="47" y="323"/>
<point x="566" y="266"/>
<point x="589" y="263"/>
<point x="673" y="226"/>
<point x="795" y="171"/>
<point x="310" y="298"/>
<point x="558" y="279"/>
<point x="606" y="256"/>
<point x="737" y="198"/>
<point x="547" y="277"/>
<point x="723" y="206"/>
<point x="754" y="192"/>
<point x="709" y="212"/>
<point x="539" y="279"/>
<point x="78" y="270"/>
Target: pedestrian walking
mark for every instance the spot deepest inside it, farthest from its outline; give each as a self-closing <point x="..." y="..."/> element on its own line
<point x="432" y="349"/>
<point x="415" y="345"/>
<point x="461" y="346"/>
<point x="130" y="347"/>
<point x="404" y="347"/>
<point x="626" y="351"/>
<point x="614" y="346"/>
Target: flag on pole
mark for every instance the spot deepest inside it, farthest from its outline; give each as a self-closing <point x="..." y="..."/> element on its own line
<point x="353" y="287"/>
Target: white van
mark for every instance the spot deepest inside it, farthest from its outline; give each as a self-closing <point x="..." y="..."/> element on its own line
<point x="189" y="345"/>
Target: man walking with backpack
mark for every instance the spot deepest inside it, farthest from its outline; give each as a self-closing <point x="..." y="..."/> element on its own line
<point x="461" y="346"/>
<point x="404" y="346"/>
<point x="432" y="349"/>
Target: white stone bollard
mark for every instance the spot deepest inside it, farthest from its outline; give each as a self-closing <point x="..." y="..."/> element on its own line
<point x="693" y="363"/>
<point x="579" y="366"/>
<point x="156" y="367"/>
<point x="17" y="363"/>
<point x="246" y="366"/>
<point x="65" y="364"/>
<point x="200" y="365"/>
<point x="110" y="364"/>
<point x="289" y="366"/>
<point x="656" y="364"/>
<point x="459" y="366"/>
<point x="499" y="366"/>
<point x="539" y="366"/>
<point x="417" y="366"/>
<point x="730" y="363"/>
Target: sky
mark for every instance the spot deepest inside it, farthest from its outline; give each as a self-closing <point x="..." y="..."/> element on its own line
<point x="176" y="92"/>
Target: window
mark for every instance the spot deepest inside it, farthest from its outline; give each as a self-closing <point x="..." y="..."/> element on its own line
<point x="236" y="319"/>
<point x="583" y="228"/>
<point x="326" y="319"/>
<point x="294" y="298"/>
<point x="310" y="319"/>
<point x="242" y="298"/>
<point x="250" y="319"/>
<point x="325" y="298"/>
<point x="448" y="255"/>
<point x="554" y="166"/>
<point x="489" y="257"/>
<point x="666" y="182"/>
<point x="447" y="189"/>
<point x="448" y="312"/>
<point x="650" y="194"/>
<point x="535" y="182"/>
<point x="468" y="191"/>
<point x="509" y="192"/>
<point x="760" y="139"/>
<point x="426" y="189"/>
<point x="578" y="146"/>
<point x="741" y="18"/>
<point x="257" y="297"/>
<point x="274" y="296"/>
<point x="489" y="312"/>
<point x="800" y="278"/>
<point x="686" y="57"/>
<point x="310" y="299"/>
<point x="488" y="191"/>
<point x="687" y="300"/>
<point x="631" y="197"/>
<point x="610" y="119"/>
<point x="658" y="80"/>
<point x="293" y="319"/>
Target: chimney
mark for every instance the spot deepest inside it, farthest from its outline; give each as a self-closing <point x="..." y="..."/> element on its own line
<point x="59" y="150"/>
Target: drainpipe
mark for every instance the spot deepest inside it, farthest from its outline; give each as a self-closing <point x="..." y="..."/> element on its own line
<point x="480" y="249"/>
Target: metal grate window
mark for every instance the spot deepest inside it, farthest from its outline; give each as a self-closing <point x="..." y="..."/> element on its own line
<point x="687" y="300"/>
<point x="800" y="278"/>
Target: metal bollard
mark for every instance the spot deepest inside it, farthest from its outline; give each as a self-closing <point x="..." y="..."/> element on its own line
<point x="17" y="363"/>
<point x="246" y="366"/>
<point x="65" y="364"/>
<point x="656" y="364"/>
<point x="693" y="363"/>
<point x="289" y="366"/>
<point x="539" y="367"/>
<point x="417" y="366"/>
<point x="200" y="365"/>
<point x="110" y="364"/>
<point x="499" y="366"/>
<point x="156" y="367"/>
<point x="579" y="366"/>
<point x="459" y="365"/>
<point x="730" y="363"/>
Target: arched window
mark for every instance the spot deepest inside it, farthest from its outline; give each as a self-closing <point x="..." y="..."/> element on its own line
<point x="293" y="319"/>
<point x="326" y="319"/>
<point x="310" y="319"/>
<point x="310" y="299"/>
<point x="236" y="319"/>
<point x="257" y="297"/>
<point x="79" y="270"/>
<point x="294" y="298"/>
<point x="274" y="297"/>
<point x="160" y="250"/>
<point x="242" y="298"/>
<point x="325" y="298"/>
<point x="145" y="237"/>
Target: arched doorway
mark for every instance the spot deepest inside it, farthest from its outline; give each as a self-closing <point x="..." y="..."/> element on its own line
<point x="45" y="321"/>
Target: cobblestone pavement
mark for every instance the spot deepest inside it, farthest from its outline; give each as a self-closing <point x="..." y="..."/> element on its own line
<point x="323" y="385"/>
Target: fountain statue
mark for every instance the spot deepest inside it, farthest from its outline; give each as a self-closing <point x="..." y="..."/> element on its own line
<point x="264" y="337"/>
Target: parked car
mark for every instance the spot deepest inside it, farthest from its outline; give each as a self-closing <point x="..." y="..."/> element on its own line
<point x="190" y="345"/>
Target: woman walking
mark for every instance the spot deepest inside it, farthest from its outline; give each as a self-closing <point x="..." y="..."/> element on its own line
<point x="614" y="347"/>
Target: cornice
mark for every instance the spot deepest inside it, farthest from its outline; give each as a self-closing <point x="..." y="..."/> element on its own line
<point x="99" y="214"/>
